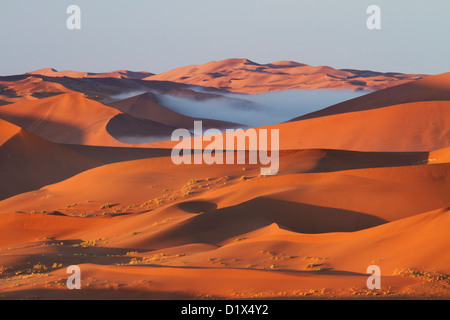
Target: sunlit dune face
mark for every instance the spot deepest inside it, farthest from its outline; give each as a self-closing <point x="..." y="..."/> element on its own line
<point x="360" y="181"/>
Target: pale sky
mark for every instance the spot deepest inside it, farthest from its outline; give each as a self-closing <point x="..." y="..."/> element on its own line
<point x="159" y="35"/>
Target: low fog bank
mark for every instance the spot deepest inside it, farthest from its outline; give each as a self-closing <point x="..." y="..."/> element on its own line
<point x="125" y="95"/>
<point x="259" y="109"/>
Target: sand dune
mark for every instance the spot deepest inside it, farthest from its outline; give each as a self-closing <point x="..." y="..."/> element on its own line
<point x="50" y="72"/>
<point x="147" y="106"/>
<point x="432" y="88"/>
<point x="73" y="119"/>
<point x="391" y="245"/>
<point x="406" y="118"/>
<point x="356" y="192"/>
<point x="409" y="127"/>
<point x="68" y="118"/>
<point x="243" y="75"/>
<point x="229" y="229"/>
<point x="30" y="88"/>
<point x="29" y="162"/>
<point x="415" y="126"/>
<point x="312" y="203"/>
<point x="363" y="182"/>
<point x="439" y="156"/>
<point x="106" y="87"/>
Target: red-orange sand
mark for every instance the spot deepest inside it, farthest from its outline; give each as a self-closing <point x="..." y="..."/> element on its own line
<point x="243" y="75"/>
<point x="354" y="188"/>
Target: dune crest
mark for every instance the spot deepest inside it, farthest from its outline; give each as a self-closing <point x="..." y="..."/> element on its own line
<point x="245" y="76"/>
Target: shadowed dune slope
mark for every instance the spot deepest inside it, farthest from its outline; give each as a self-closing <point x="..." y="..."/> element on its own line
<point x="432" y="88"/>
<point x="146" y="106"/>
<point x="243" y="75"/>
<point x="409" y="127"/>
<point x="415" y="126"/>
<point x="28" y="88"/>
<point x="68" y="118"/>
<point x="338" y="201"/>
<point x="50" y="72"/>
<point x="28" y="162"/>
<point x="74" y="119"/>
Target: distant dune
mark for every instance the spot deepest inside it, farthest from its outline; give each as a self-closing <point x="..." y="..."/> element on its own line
<point x="243" y="75"/>
<point x="50" y="72"/>
<point x="30" y="88"/>
<point x="106" y="87"/>
<point x="375" y="122"/>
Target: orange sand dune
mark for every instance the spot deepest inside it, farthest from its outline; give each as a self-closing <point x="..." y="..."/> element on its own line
<point x="141" y="227"/>
<point x="391" y="246"/>
<point x="105" y="87"/>
<point x="242" y="75"/>
<point x="311" y="203"/>
<point x="409" y="127"/>
<point x="73" y="119"/>
<point x="150" y="229"/>
<point x="395" y="245"/>
<point x="410" y="117"/>
<point x="7" y="130"/>
<point x="30" y="88"/>
<point x="147" y="106"/>
<point x="28" y="162"/>
<point x="432" y="88"/>
<point x="362" y="197"/>
<point x="68" y="118"/>
<point x="265" y="260"/>
<point x="50" y="72"/>
<point x="416" y="126"/>
<point x="439" y="156"/>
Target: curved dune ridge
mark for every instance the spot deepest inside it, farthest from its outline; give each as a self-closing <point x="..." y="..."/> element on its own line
<point x="365" y="182"/>
<point x="243" y="75"/>
<point x="409" y="127"/>
<point x="105" y="87"/>
<point x="74" y="119"/>
<point x="29" y="88"/>
<point x="336" y="222"/>
<point x="28" y="162"/>
<point x="415" y="126"/>
<point x="68" y="118"/>
<point x="387" y="120"/>
<point x="50" y="72"/>
<point x="146" y="106"/>
<point x="432" y="88"/>
<point x="439" y="156"/>
<point x="301" y="183"/>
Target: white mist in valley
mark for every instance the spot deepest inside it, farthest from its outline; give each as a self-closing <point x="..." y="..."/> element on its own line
<point x="258" y="109"/>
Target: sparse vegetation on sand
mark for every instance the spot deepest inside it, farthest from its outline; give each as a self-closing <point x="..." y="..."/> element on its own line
<point x="88" y="243"/>
<point x="39" y="267"/>
<point x="425" y="275"/>
<point x="106" y="206"/>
